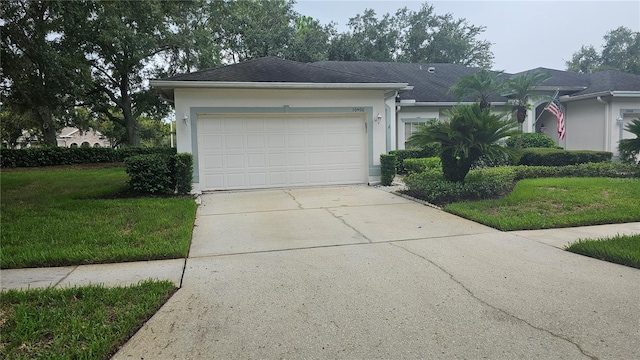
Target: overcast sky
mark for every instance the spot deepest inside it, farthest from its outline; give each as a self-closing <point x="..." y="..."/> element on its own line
<point x="524" y="34"/>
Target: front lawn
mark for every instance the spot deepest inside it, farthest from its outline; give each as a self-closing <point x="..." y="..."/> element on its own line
<point x="623" y="250"/>
<point x="78" y="323"/>
<point x="557" y="202"/>
<point x="69" y="216"/>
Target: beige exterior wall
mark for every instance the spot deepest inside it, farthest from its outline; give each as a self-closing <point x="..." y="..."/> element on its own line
<point x="594" y="124"/>
<point x="187" y="101"/>
<point x="585" y="125"/>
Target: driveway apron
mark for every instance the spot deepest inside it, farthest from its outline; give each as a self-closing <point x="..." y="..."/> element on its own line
<point x="357" y="272"/>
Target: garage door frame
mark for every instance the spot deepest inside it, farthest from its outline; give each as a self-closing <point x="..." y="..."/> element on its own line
<point x="374" y="170"/>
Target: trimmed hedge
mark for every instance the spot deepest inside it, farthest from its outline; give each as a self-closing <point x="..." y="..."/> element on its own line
<point x="530" y="140"/>
<point x="160" y="174"/>
<point x="388" y="168"/>
<point x="54" y="156"/>
<point x="491" y="182"/>
<point x="422" y="164"/>
<point x="429" y="151"/>
<point x="558" y="157"/>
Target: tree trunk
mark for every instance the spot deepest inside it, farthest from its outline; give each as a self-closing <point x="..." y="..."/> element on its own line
<point x="47" y="126"/>
<point x="130" y="122"/>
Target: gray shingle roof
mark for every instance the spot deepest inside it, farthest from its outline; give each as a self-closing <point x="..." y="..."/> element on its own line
<point x="430" y="81"/>
<point x="273" y="69"/>
<point x="610" y="80"/>
<point x="428" y="86"/>
<point x="560" y="78"/>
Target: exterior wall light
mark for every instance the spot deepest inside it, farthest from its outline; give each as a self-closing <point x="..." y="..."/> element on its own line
<point x="378" y="118"/>
<point x="185" y="118"/>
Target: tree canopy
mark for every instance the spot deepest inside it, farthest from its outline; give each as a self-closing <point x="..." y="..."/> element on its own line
<point x="59" y="55"/>
<point x="621" y="51"/>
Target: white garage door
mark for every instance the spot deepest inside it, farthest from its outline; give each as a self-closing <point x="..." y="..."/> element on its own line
<point x="262" y="151"/>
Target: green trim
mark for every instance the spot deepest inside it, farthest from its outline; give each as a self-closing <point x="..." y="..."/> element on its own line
<point x="374" y="170"/>
<point x="387" y="124"/>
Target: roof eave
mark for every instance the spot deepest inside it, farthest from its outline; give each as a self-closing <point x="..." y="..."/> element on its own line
<point x="164" y="84"/>
<point x="446" y="103"/>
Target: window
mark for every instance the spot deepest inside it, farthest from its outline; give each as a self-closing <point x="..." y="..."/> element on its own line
<point x="410" y="128"/>
<point x="74" y="145"/>
<point x="96" y="145"/>
<point x="85" y="145"/>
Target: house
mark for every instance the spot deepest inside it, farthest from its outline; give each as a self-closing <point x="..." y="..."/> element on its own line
<point x="74" y="137"/>
<point x="278" y="123"/>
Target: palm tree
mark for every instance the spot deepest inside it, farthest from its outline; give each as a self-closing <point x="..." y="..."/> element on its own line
<point x="520" y="89"/>
<point x="470" y="133"/>
<point x="481" y="85"/>
<point x="630" y="148"/>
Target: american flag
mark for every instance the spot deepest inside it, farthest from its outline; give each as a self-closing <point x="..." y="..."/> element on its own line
<point x="556" y="109"/>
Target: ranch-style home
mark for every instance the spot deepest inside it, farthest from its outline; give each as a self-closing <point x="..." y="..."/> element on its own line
<point x="277" y="123"/>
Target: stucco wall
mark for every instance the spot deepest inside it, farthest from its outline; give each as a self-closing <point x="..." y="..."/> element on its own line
<point x="190" y="102"/>
<point x="585" y="125"/>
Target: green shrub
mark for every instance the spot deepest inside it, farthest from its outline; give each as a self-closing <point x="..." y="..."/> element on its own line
<point x="429" y="151"/>
<point x="422" y="164"/>
<point x="491" y="182"/>
<point x="54" y="156"/>
<point x="558" y="157"/>
<point x="183" y="173"/>
<point x="429" y="187"/>
<point x="388" y="168"/>
<point x="530" y="140"/>
<point x="150" y="173"/>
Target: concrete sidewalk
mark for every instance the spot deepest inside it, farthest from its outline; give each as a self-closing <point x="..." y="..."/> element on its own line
<point x="124" y="274"/>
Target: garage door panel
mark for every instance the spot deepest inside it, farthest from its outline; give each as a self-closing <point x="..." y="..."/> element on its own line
<point x="279" y="159"/>
<point x="235" y="161"/>
<point x="213" y="162"/>
<point x="297" y="141"/>
<point x="255" y="141"/>
<point x="256" y="160"/>
<point x="298" y="177"/>
<point x="256" y="151"/>
<point x="212" y="142"/>
<point x="276" y="141"/>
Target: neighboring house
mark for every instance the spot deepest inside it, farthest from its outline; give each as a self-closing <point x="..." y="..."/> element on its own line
<point x="277" y="123"/>
<point x="74" y="137"/>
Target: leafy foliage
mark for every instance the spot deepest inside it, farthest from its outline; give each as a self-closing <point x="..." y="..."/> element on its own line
<point x="630" y="148"/>
<point x="430" y="185"/>
<point x="183" y="173"/>
<point x="559" y="157"/>
<point x="412" y="36"/>
<point x="470" y="134"/>
<point x="388" y="168"/>
<point x="621" y="51"/>
<point x="530" y="140"/>
<point x="520" y="90"/>
<point x="481" y="86"/>
<point x="42" y="71"/>
<point x="422" y="164"/>
<point x="160" y="174"/>
<point x="54" y="156"/>
<point x="428" y="150"/>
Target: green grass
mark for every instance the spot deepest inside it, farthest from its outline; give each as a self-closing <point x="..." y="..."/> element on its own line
<point x="64" y="217"/>
<point x="623" y="250"/>
<point x="78" y="323"/>
<point x="557" y="202"/>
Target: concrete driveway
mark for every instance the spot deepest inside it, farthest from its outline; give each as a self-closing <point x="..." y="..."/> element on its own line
<point x="357" y="272"/>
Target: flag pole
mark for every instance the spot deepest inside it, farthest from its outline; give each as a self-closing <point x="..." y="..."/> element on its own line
<point x="545" y="108"/>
